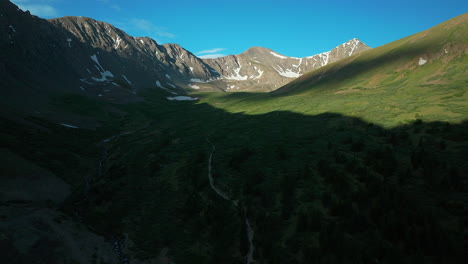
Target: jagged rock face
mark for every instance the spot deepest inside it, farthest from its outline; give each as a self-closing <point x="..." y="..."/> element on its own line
<point x="82" y="55"/>
<point x="265" y="70"/>
<point x="190" y="66"/>
<point x="33" y="61"/>
<point x="169" y="65"/>
<point x="40" y="59"/>
<point x="119" y="59"/>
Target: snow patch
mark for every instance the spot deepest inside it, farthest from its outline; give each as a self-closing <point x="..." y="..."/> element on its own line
<point x="142" y="42"/>
<point x="67" y="125"/>
<point x="95" y="59"/>
<point x="159" y="85"/>
<point x="278" y="55"/>
<point x="85" y="81"/>
<point x="104" y="76"/>
<point x="104" y="73"/>
<point x="69" y="40"/>
<point x="196" y="80"/>
<point x="164" y="88"/>
<point x="125" y="77"/>
<point x="422" y="61"/>
<point x="286" y="73"/>
<point x="12" y="28"/>
<point x="230" y="87"/>
<point x="324" y="57"/>
<point x="171" y="85"/>
<point x="117" y="41"/>
<point x="236" y="75"/>
<point x="260" y="73"/>
<point x="181" y="98"/>
<point x="167" y="76"/>
<point x="193" y="86"/>
<point x="353" y="42"/>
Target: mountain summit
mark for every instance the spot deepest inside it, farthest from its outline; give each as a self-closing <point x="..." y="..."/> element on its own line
<point x="263" y="69"/>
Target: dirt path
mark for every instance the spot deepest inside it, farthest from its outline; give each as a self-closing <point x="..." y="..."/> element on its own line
<point x="249" y="229"/>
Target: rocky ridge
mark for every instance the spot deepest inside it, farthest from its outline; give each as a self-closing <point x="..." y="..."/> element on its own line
<point x="263" y="69"/>
<point x="84" y="56"/>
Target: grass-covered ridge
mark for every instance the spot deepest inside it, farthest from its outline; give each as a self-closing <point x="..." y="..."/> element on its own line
<point x="423" y="76"/>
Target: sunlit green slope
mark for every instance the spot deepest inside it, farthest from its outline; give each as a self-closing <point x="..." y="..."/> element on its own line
<point x="423" y="76"/>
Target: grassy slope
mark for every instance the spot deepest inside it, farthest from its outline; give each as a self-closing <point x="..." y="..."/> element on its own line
<point x="325" y="188"/>
<point x="385" y="85"/>
<point x="331" y="187"/>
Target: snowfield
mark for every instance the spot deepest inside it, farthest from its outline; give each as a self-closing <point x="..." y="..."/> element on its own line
<point x="181" y="98"/>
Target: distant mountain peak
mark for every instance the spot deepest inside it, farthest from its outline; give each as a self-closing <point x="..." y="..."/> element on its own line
<point x="260" y="68"/>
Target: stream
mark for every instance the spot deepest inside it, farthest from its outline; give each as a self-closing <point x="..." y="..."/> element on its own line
<point x="249" y="229"/>
<point x="117" y="241"/>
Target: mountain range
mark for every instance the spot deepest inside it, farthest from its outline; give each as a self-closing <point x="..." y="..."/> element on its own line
<point x="94" y="58"/>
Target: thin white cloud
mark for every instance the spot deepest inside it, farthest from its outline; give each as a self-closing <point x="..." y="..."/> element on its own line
<point x="211" y="51"/>
<point x="46" y="11"/>
<point x="149" y="28"/>
<point x="110" y="4"/>
<point x="115" y="7"/>
<point x="212" y="56"/>
<point x="41" y="8"/>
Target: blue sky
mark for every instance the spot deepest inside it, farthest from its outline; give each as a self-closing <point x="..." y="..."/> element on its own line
<point x="295" y="28"/>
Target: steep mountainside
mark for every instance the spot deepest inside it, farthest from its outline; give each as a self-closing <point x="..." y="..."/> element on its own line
<point x="164" y="66"/>
<point x="256" y="69"/>
<point x="93" y="58"/>
<point x="432" y="59"/>
<point x="262" y="69"/>
<point x="420" y="77"/>
<point x="84" y="56"/>
<point x="35" y="58"/>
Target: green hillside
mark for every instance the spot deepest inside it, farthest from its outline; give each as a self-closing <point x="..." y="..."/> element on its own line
<point x="385" y="85"/>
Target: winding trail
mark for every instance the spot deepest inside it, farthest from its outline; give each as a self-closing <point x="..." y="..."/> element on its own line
<point x="249" y="229"/>
<point x="210" y="177"/>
